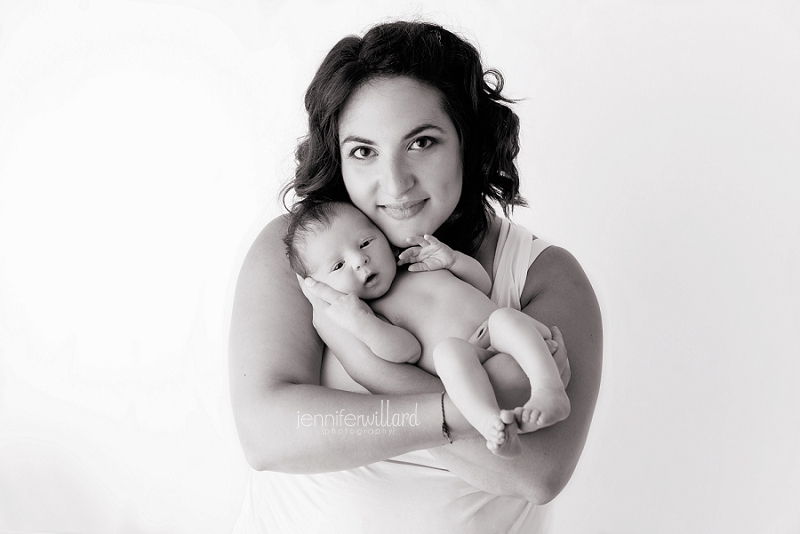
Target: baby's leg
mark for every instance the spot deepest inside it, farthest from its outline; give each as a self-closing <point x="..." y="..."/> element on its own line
<point x="515" y="333"/>
<point x="458" y="365"/>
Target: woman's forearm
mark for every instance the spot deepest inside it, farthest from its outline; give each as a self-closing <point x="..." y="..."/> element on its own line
<point x="557" y="293"/>
<point x="299" y="428"/>
<point x="563" y="297"/>
<point x="523" y="477"/>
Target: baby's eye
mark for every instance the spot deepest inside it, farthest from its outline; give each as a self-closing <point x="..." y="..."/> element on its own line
<point x="422" y="142"/>
<point x="366" y="243"/>
<point x="362" y="152"/>
<point x="336" y="266"/>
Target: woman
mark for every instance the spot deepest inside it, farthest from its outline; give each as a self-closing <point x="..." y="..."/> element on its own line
<point x="402" y="124"/>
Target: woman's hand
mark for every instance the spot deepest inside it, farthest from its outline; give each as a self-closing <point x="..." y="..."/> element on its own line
<point x="338" y="321"/>
<point x="343" y="309"/>
<point x="555" y="342"/>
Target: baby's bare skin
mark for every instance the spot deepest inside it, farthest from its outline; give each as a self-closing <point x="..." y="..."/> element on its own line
<point x="433" y="305"/>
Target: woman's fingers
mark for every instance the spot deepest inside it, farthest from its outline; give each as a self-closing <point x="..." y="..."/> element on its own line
<point x="306" y="290"/>
<point x="560" y="357"/>
<point x="543" y="329"/>
<point x="314" y="289"/>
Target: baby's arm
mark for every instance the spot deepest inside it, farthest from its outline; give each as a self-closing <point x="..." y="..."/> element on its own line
<point x="429" y="254"/>
<point x="385" y="340"/>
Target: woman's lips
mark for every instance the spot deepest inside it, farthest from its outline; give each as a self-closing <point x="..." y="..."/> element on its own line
<point x="403" y="210"/>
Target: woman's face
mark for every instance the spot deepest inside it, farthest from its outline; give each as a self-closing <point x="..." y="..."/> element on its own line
<point x="401" y="157"/>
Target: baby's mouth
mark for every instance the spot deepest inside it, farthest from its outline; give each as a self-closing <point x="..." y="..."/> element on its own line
<point x="370" y="278"/>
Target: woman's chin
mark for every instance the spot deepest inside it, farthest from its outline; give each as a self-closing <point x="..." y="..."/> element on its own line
<point x="398" y="236"/>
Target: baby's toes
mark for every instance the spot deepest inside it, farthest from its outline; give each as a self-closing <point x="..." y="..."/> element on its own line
<point x="529" y="420"/>
<point x="534" y="415"/>
<point x="508" y="416"/>
<point x="497" y="424"/>
<point x="497" y="432"/>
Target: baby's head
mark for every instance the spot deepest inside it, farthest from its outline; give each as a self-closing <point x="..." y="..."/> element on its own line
<point x="335" y="243"/>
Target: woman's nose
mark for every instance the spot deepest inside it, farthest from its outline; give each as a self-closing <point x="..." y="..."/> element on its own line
<point x="397" y="177"/>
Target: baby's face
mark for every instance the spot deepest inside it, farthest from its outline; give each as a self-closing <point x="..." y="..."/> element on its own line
<point x="352" y="256"/>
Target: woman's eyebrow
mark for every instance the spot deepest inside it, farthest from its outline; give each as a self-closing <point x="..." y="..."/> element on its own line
<point x="416" y="131"/>
<point x="421" y="128"/>
<point x="356" y="139"/>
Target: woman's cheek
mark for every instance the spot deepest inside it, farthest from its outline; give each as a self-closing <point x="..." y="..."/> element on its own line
<point x="356" y="184"/>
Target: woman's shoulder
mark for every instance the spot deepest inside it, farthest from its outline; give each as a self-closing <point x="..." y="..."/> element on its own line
<point x="548" y="261"/>
<point x="552" y="269"/>
<point x="265" y="269"/>
<point x="272" y="234"/>
<point x="268" y="246"/>
<point x="557" y="272"/>
<point x="553" y="262"/>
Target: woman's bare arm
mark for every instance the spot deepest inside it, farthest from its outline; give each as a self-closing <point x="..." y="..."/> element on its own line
<point x="557" y="292"/>
<point x="274" y="362"/>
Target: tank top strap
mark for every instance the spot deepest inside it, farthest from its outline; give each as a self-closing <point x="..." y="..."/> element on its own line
<point x="515" y="253"/>
<point x="537" y="247"/>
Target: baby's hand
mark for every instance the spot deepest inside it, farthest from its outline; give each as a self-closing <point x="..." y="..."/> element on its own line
<point x="427" y="254"/>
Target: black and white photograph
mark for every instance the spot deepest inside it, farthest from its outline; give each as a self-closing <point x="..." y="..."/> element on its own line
<point x="452" y="266"/>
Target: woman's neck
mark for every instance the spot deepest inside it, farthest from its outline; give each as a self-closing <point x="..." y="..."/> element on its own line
<point x="486" y="252"/>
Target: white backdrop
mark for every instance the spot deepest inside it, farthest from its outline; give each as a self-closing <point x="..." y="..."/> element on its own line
<point x="142" y="146"/>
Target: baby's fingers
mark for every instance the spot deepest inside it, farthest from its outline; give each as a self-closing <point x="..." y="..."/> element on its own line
<point x="416" y="240"/>
<point x="432" y="240"/>
<point x="409" y="255"/>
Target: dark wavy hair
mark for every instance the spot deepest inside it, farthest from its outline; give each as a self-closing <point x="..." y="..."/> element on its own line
<point x="488" y="129"/>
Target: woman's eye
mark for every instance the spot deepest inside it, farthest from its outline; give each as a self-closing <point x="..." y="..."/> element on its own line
<point x="366" y="243"/>
<point x="362" y="152"/>
<point x="422" y="142"/>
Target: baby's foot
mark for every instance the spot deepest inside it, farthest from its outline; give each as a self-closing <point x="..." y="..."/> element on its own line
<point x="547" y="406"/>
<point x="501" y="436"/>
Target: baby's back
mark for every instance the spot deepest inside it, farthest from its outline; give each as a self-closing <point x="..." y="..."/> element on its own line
<point x="434" y="305"/>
